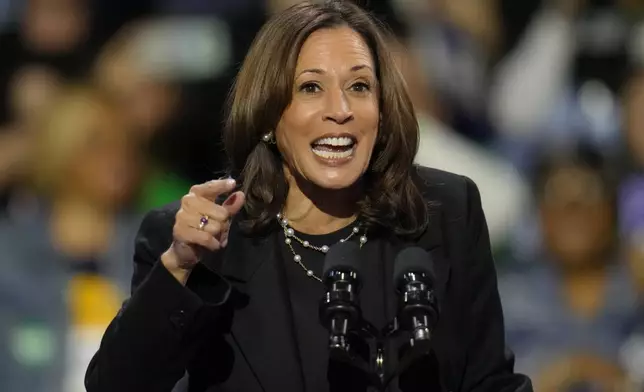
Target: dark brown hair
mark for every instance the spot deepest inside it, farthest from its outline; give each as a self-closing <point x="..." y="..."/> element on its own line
<point x="263" y="90"/>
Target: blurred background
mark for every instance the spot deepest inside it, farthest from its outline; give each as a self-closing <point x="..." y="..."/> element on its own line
<point x="111" y="107"/>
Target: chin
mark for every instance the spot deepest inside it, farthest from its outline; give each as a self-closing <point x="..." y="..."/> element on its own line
<point x="334" y="175"/>
<point x="336" y="181"/>
<point x="334" y="184"/>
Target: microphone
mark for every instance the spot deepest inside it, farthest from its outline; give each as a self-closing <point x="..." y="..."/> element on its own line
<point x="339" y="308"/>
<point x="414" y="280"/>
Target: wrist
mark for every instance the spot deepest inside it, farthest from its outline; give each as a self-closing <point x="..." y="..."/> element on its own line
<point x="170" y="261"/>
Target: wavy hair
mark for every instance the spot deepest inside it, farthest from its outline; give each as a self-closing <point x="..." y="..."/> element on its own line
<point x="262" y="91"/>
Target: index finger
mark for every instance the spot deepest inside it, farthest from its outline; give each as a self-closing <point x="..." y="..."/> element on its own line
<point x="212" y="189"/>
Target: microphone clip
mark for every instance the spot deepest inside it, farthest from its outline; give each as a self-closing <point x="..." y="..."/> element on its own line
<point x="339" y="311"/>
<point x="418" y="307"/>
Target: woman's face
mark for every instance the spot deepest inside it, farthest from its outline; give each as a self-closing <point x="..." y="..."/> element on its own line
<point x="327" y="133"/>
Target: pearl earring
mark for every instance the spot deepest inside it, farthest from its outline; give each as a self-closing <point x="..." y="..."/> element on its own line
<point x="269" y="138"/>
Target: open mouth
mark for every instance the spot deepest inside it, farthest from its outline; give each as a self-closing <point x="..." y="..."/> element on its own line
<point x="340" y="147"/>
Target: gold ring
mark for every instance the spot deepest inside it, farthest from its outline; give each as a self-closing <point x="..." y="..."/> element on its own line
<point x="203" y="222"/>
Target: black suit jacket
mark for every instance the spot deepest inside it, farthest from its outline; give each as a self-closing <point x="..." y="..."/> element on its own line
<point x="228" y="328"/>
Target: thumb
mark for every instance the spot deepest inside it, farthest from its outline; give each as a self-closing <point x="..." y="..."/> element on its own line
<point x="234" y="202"/>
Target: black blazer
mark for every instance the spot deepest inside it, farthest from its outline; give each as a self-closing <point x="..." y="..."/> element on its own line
<point x="228" y="329"/>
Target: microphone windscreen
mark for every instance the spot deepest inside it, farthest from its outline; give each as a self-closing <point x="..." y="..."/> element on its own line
<point x="413" y="259"/>
<point x="342" y="256"/>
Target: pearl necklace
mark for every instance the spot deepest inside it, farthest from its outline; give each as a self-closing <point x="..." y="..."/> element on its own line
<point x="289" y="236"/>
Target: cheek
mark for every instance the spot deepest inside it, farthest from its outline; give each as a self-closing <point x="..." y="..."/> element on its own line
<point x="293" y="132"/>
<point x="371" y="122"/>
<point x="372" y="136"/>
<point x="287" y="145"/>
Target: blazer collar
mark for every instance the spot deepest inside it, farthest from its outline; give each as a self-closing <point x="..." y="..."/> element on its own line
<point x="243" y="256"/>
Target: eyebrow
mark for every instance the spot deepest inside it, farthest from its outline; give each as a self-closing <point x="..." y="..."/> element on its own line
<point x="319" y="71"/>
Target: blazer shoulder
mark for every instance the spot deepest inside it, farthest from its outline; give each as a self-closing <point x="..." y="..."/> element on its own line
<point x="155" y="230"/>
<point x="452" y="193"/>
<point x="162" y="216"/>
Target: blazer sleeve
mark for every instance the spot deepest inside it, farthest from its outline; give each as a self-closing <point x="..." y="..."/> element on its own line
<point x="147" y="346"/>
<point x="489" y="363"/>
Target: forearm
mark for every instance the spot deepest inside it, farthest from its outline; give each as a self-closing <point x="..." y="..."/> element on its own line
<point x="146" y="346"/>
<point x="530" y="79"/>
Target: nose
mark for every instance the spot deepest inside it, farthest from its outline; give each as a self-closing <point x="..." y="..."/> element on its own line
<point x="338" y="108"/>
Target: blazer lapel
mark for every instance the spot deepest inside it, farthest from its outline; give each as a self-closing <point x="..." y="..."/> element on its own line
<point x="261" y="326"/>
<point x="434" y="243"/>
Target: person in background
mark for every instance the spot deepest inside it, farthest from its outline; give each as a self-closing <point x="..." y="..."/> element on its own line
<point x="572" y="310"/>
<point x="53" y="33"/>
<point x="30" y="92"/>
<point x="504" y="192"/>
<point x="561" y="81"/>
<point x="66" y="269"/>
<point x="632" y="153"/>
<point x="48" y="42"/>
<point x="456" y="41"/>
<point x="130" y="68"/>
<point x="631" y="212"/>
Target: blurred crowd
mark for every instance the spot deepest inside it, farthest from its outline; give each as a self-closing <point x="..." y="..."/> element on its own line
<point x="109" y="108"/>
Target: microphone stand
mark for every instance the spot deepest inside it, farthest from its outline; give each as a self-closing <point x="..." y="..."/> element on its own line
<point x="375" y="369"/>
<point x="418" y="311"/>
<point x="345" y="354"/>
<point x="339" y="313"/>
<point x="419" y="343"/>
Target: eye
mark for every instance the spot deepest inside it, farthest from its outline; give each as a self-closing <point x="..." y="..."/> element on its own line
<point x="310" y="88"/>
<point x="360" y="87"/>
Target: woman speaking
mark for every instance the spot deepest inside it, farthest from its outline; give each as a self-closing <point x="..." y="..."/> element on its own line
<point x="321" y="137"/>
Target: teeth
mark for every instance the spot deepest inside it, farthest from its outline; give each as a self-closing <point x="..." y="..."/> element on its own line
<point x="332" y="154"/>
<point x="335" y="141"/>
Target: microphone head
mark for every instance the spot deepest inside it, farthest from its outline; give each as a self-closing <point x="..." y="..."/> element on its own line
<point x="344" y="256"/>
<point x="413" y="259"/>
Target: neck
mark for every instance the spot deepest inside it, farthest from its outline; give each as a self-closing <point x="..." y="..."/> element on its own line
<point x="314" y="210"/>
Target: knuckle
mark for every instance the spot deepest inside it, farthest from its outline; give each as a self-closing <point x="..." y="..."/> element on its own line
<point x="190" y="200"/>
<point x="203" y="237"/>
<point x="182" y="218"/>
<point x="215" y="227"/>
<point x="177" y="233"/>
<point x="186" y="198"/>
<point x="221" y="212"/>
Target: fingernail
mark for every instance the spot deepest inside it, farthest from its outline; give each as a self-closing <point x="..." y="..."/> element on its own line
<point x="231" y="182"/>
<point x="231" y="199"/>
